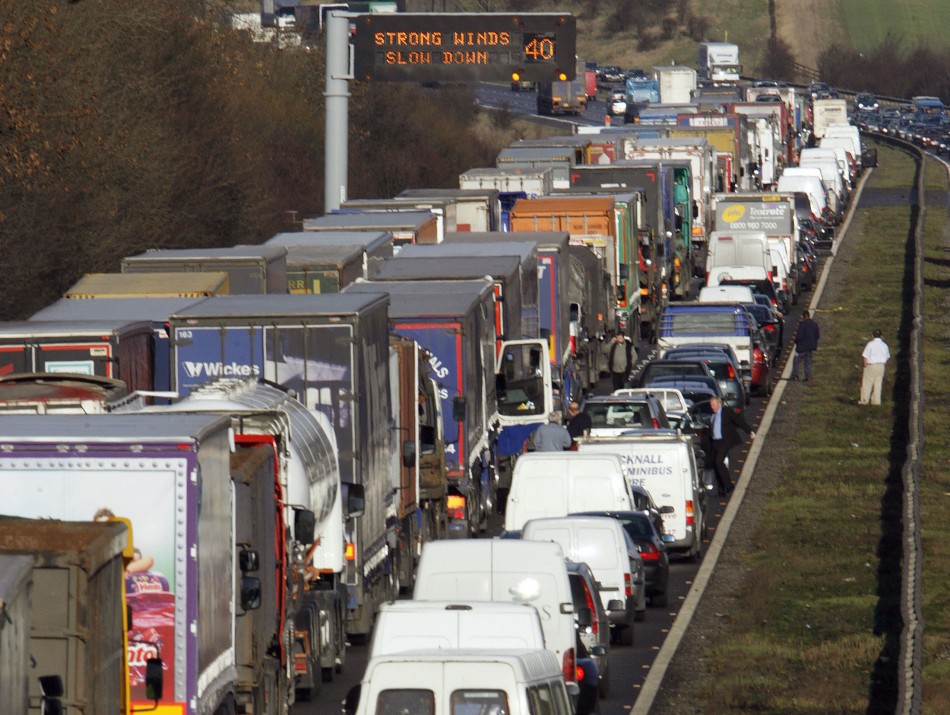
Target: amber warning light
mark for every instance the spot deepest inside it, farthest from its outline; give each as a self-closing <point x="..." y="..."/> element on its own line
<point x="464" y="47"/>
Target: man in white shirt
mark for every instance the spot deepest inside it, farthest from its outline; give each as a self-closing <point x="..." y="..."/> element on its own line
<point x="875" y="355"/>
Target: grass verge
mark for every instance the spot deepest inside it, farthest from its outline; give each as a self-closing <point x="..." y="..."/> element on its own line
<point x="808" y="619"/>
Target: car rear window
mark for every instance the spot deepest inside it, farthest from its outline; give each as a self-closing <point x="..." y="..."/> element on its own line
<point x="703" y="323"/>
<point x="623" y="415"/>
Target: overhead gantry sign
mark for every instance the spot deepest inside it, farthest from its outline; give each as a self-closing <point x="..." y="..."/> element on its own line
<point x="465" y="47"/>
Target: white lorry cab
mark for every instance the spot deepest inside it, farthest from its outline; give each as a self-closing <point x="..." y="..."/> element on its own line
<point x="509" y="571"/>
<point x="545" y="484"/>
<point x="458" y="682"/>
<point x="664" y="463"/>
<point x="613" y="558"/>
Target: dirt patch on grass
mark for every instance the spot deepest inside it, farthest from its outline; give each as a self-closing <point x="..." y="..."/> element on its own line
<point x="807" y="28"/>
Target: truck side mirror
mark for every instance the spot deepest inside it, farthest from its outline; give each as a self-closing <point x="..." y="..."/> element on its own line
<point x="409" y="454"/>
<point x="458" y="409"/>
<point x="305" y="524"/>
<point x="52" y="689"/>
<point x="154" y="679"/>
<point x="584" y="618"/>
<point x="250" y="593"/>
<point x="249" y="560"/>
<point x="355" y="500"/>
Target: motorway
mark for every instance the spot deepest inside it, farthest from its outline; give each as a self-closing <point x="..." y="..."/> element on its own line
<point x="524" y="104"/>
<point x="629" y="666"/>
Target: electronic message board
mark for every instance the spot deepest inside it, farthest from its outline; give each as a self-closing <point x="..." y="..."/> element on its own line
<point x="463" y="47"/>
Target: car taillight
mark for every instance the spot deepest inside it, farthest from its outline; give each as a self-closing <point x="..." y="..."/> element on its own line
<point x="649" y="552"/>
<point x="656" y="423"/>
<point x="628" y="584"/>
<point x="757" y="356"/>
<point x="579" y="671"/>
<point x="455" y="505"/>
<point x="350" y="552"/>
<point x="731" y="372"/>
<point x="785" y="284"/>
<point x="595" y="622"/>
<point x="689" y="512"/>
<point x="769" y="328"/>
<point x="569" y="666"/>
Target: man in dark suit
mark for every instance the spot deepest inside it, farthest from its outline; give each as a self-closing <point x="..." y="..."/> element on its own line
<point x="724" y="429"/>
<point x="806" y="343"/>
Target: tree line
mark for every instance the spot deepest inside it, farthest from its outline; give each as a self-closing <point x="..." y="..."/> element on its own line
<point x="129" y="126"/>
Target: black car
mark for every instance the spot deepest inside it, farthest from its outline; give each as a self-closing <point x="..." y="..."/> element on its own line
<point x="669" y="368"/>
<point x="652" y="548"/>
<point x="772" y="326"/>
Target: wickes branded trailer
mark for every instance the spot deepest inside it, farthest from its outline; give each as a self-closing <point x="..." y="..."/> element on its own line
<point x="332" y="350"/>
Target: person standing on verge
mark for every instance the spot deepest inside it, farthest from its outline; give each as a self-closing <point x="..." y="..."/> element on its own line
<point x="806" y="343"/>
<point x="620" y="359"/>
<point x="875" y="355"/>
<point x="724" y="429"/>
<point x="579" y="423"/>
<point x="552" y="436"/>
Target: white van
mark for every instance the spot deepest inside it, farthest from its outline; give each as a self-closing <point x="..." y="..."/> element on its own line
<point x="831" y="194"/>
<point x="558" y="483"/>
<point x="601" y="543"/>
<point x="416" y="625"/>
<point x="665" y="465"/>
<point x="830" y="174"/>
<point x="736" y="248"/>
<point x="446" y="682"/>
<point x="726" y="294"/>
<point x="510" y="571"/>
<point x="844" y="146"/>
<point x="782" y="278"/>
<point x="850" y="132"/>
<point x="809" y="185"/>
<point x="816" y="153"/>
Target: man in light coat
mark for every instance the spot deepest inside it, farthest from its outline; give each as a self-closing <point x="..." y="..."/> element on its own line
<point x="875" y="356"/>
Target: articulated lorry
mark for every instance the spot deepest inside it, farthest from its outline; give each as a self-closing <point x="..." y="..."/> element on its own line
<point x="154" y="311"/>
<point x="375" y="246"/>
<point x="65" y="633"/>
<point x="182" y="591"/>
<point x="111" y="347"/>
<point x="332" y="350"/>
<point x="454" y="322"/>
<point x="562" y="97"/>
<point x="511" y="183"/>
<point x="286" y="450"/>
<point x="592" y="221"/>
<point x="150" y="285"/>
<point x="718" y="63"/>
<point x="250" y="269"/>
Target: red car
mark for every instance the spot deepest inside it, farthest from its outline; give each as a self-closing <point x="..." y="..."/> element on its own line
<point x="761" y="371"/>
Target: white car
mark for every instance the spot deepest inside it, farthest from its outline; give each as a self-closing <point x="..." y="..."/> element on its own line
<point x="617" y="103"/>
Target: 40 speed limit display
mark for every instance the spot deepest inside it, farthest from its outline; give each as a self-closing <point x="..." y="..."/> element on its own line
<point x="464" y="47"/>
